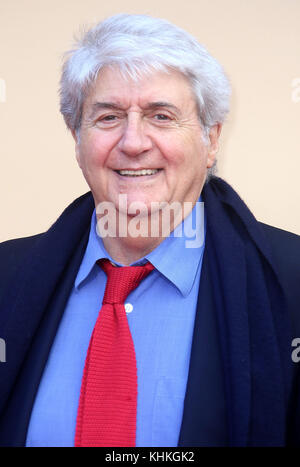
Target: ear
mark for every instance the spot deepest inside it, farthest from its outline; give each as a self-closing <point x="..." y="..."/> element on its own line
<point x="77" y="143"/>
<point x="213" y="144"/>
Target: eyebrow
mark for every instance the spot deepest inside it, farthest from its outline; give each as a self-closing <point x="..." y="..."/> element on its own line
<point x="154" y="105"/>
<point x="113" y="106"/>
<point x="103" y="105"/>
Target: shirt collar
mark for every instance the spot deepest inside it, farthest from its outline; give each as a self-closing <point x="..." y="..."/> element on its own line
<point x="94" y="251"/>
<point x="175" y="258"/>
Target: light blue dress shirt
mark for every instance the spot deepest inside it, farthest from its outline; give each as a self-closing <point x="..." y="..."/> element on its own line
<point x="161" y="320"/>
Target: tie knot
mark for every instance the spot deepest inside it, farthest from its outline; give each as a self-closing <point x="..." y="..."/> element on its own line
<point x="122" y="280"/>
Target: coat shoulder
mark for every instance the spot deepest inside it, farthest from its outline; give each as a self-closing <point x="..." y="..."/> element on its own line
<point x="285" y="248"/>
<point x="13" y="250"/>
<point x="12" y="254"/>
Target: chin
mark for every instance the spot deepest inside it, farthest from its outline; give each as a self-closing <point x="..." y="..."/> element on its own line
<point x="138" y="202"/>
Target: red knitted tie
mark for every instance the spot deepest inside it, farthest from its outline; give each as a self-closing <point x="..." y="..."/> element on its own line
<point x="108" y="398"/>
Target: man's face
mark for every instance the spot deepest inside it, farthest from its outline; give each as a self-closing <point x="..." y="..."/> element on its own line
<point x="151" y="125"/>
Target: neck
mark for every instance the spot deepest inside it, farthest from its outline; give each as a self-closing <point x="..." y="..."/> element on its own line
<point x="128" y="250"/>
<point x="129" y="238"/>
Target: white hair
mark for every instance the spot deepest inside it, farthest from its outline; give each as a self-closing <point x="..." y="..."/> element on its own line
<point x="140" y="44"/>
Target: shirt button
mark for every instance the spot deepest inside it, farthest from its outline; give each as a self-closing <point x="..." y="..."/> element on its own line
<point x="128" y="307"/>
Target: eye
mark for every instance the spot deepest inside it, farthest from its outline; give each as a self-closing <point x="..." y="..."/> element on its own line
<point x="108" y="118"/>
<point x="161" y="117"/>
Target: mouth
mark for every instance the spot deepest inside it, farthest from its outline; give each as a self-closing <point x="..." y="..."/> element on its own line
<point x="137" y="173"/>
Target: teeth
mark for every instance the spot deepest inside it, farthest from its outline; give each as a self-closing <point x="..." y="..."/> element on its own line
<point x="136" y="173"/>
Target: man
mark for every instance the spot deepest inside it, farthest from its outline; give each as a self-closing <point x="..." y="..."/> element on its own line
<point x="211" y="322"/>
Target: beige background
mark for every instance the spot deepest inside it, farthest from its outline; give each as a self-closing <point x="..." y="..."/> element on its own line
<point x="257" y="42"/>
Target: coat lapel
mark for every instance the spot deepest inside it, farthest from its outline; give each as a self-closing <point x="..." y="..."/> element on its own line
<point x="34" y="306"/>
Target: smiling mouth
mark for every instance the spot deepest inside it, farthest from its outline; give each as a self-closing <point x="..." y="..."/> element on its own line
<point x="137" y="173"/>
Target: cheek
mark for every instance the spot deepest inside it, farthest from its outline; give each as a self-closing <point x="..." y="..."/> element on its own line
<point x="173" y="151"/>
<point x="186" y="150"/>
<point x="188" y="161"/>
<point x="94" y="152"/>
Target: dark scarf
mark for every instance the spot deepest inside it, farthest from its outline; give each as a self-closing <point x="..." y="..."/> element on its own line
<point x="252" y="319"/>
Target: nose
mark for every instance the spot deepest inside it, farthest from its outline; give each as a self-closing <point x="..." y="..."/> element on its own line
<point x="134" y="140"/>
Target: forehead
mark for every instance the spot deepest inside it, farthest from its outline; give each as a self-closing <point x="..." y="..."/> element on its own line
<point x="158" y="86"/>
